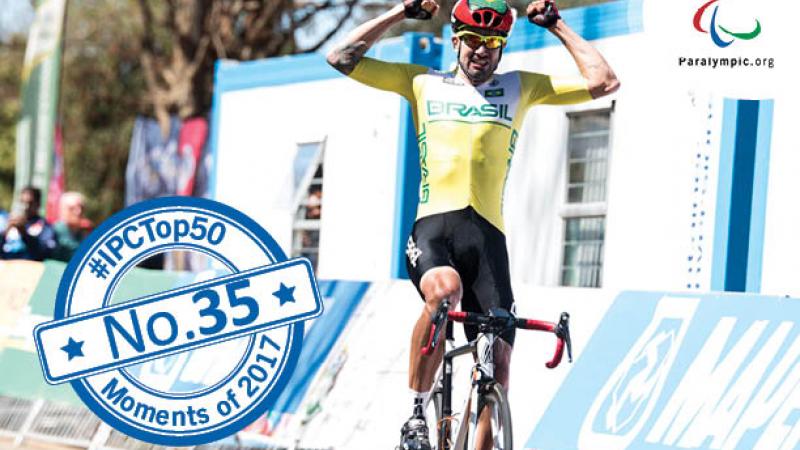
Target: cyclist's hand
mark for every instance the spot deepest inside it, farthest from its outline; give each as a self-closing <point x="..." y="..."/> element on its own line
<point x="420" y="9"/>
<point x="543" y="13"/>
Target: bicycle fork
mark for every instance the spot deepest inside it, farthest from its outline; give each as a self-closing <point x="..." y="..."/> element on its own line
<point x="445" y="429"/>
<point x="482" y="370"/>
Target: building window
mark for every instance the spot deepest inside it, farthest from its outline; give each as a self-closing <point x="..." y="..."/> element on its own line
<point x="308" y="174"/>
<point x="585" y="207"/>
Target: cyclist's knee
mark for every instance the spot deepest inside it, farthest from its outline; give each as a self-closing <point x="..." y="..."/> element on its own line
<point x="438" y="284"/>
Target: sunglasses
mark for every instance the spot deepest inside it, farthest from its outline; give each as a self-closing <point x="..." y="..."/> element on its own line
<point x="475" y="40"/>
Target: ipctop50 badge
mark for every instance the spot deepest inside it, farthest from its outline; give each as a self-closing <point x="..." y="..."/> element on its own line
<point x="248" y="323"/>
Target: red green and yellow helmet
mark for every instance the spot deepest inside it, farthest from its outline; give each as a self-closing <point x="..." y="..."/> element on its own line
<point x="490" y="15"/>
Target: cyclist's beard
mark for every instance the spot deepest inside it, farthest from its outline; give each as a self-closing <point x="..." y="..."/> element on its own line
<point x="481" y="76"/>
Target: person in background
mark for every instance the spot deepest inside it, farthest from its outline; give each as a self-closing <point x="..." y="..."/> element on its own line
<point x="27" y="235"/>
<point x="314" y="203"/>
<point x="72" y="226"/>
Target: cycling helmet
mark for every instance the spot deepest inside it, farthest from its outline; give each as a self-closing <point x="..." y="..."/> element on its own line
<point x="492" y="15"/>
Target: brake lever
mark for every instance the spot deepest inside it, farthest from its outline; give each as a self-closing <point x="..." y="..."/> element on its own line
<point x="562" y="331"/>
<point x="437" y="323"/>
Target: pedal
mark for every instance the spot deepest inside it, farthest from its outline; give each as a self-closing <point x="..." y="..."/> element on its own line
<point x="414" y="434"/>
<point x="414" y="445"/>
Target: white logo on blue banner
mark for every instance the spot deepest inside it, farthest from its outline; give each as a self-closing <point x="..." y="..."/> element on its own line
<point x="626" y="401"/>
<point x="191" y="365"/>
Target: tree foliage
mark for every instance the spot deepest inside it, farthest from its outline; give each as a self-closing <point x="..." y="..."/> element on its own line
<point x="182" y="39"/>
<point x="102" y="90"/>
<point x="11" y="56"/>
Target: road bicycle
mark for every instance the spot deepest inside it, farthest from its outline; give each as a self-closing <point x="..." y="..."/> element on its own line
<point x="458" y="431"/>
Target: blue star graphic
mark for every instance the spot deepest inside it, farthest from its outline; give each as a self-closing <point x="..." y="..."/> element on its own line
<point x="285" y="294"/>
<point x="73" y="348"/>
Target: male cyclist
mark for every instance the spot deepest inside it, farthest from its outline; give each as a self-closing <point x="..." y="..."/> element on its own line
<point x="467" y="125"/>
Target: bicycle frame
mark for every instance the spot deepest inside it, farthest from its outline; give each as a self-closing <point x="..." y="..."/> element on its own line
<point x="482" y="373"/>
<point x="483" y="370"/>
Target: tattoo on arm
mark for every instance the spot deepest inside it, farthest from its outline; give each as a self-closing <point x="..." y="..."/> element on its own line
<point x="345" y="58"/>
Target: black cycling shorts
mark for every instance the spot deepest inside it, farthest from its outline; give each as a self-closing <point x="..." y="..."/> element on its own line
<point x="471" y="245"/>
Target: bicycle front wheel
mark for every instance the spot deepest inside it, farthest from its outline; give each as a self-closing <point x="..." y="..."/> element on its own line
<point x="493" y="410"/>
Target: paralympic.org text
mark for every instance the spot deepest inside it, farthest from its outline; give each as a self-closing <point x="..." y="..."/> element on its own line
<point x="714" y="63"/>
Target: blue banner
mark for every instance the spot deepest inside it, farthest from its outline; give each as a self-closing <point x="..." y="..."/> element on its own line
<point x="669" y="371"/>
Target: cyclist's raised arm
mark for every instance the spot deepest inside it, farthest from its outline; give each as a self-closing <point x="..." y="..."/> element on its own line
<point x="346" y="55"/>
<point x="600" y="77"/>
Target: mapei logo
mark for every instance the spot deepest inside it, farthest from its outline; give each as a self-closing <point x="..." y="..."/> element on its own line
<point x="628" y="398"/>
<point x="717" y="31"/>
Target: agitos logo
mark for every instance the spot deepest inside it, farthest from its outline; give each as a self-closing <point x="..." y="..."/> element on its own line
<point x="715" y="29"/>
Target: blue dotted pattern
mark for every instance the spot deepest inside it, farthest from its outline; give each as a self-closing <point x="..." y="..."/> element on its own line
<point x="699" y="212"/>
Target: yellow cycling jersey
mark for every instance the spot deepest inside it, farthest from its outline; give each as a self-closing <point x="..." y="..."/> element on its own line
<point x="467" y="134"/>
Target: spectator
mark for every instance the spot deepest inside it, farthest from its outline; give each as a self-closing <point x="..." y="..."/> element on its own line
<point x="72" y="227"/>
<point x="27" y="235"/>
<point x="314" y="203"/>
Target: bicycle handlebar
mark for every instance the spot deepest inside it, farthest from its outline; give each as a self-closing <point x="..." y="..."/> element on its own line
<point x="500" y="323"/>
<point x="561" y="330"/>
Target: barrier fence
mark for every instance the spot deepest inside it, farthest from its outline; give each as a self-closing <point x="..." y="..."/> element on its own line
<point x="31" y="423"/>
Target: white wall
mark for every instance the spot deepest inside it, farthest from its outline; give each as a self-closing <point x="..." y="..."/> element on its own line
<point x="258" y="135"/>
<point x="651" y="189"/>
<point x="782" y="241"/>
<point x="655" y="131"/>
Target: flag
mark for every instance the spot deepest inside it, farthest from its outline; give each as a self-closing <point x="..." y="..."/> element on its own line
<point x="40" y="84"/>
<point x="57" y="181"/>
<point x="153" y="161"/>
<point x="191" y="142"/>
